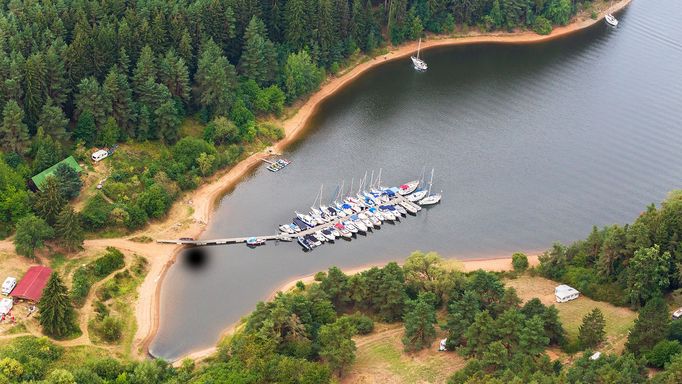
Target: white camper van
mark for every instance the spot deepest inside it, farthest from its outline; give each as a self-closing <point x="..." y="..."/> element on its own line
<point x="564" y="293"/>
<point x="99" y="155"/>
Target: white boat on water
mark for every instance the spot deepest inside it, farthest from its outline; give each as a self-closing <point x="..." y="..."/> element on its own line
<point x="319" y="236"/>
<point x="349" y="226"/>
<point x="611" y="20"/>
<point x="254" y="241"/>
<point x="419" y="64"/>
<point x="408" y="206"/>
<point x="417" y="195"/>
<point x="431" y="199"/>
<point x="408" y="187"/>
<point x="400" y="209"/>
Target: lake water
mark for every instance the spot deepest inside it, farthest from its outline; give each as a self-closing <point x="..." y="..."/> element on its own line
<point x="531" y="144"/>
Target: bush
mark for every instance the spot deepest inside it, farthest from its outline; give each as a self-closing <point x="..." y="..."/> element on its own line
<point x="675" y="330"/>
<point x="519" y="262"/>
<point x="663" y="352"/>
<point x="363" y="324"/>
<point x="96" y="212"/>
<point x="542" y="26"/>
<point x="111" y="261"/>
<point x="110" y="329"/>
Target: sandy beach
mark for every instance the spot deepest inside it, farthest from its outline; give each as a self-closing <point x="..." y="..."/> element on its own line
<point x="191" y="215"/>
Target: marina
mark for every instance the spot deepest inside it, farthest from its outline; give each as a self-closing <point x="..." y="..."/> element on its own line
<point x="361" y="214"/>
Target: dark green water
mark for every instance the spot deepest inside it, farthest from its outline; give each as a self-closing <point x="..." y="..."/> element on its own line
<point x="531" y="145"/>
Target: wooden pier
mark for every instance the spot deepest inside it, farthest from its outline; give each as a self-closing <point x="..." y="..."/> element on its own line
<point x="278" y="237"/>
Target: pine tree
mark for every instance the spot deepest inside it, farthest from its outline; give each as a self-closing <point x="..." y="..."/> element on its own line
<point x="47" y="153"/>
<point x="650" y="327"/>
<point x="53" y="121"/>
<point x="258" y="60"/>
<point x="591" y="331"/>
<point x="90" y="98"/>
<point x="49" y="201"/>
<point x="143" y="128"/>
<point x="144" y="70"/>
<point x="68" y="180"/>
<point x="167" y="122"/>
<point x="13" y="132"/>
<point x="216" y="80"/>
<point x="479" y="334"/>
<point x="69" y="229"/>
<point x="56" y="311"/>
<point x="337" y="347"/>
<point x="57" y="86"/>
<point x="36" y="87"/>
<point x="119" y="97"/>
<point x="86" y="129"/>
<point x="296" y="24"/>
<point x="419" y="329"/>
<point x="173" y="74"/>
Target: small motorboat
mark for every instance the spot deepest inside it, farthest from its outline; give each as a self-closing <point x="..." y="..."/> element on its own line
<point x="335" y="232"/>
<point x="309" y="221"/>
<point x="313" y="241"/>
<point x="388" y="215"/>
<point x="319" y="236"/>
<point x="304" y="243"/>
<point x="343" y="230"/>
<point x="409" y="207"/>
<point x="302" y="225"/>
<point x="400" y="209"/>
<point x="345" y="208"/>
<point x="408" y="187"/>
<point x="254" y="241"/>
<point x="327" y="233"/>
<point x="375" y="220"/>
<point x="286" y="228"/>
<point x="358" y="223"/>
<point x="349" y="226"/>
<point x="417" y="195"/>
<point x="611" y="20"/>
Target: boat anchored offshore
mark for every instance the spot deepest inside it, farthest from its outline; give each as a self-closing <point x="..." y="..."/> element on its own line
<point x="611" y="20"/>
<point x="418" y="63"/>
<point x="254" y="242"/>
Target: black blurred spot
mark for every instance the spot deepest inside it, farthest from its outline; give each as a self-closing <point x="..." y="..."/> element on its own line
<point x="195" y="258"/>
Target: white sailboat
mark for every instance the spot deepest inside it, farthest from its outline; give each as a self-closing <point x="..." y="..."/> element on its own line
<point x="610" y="19"/>
<point x="431" y="199"/>
<point x="418" y="63"/>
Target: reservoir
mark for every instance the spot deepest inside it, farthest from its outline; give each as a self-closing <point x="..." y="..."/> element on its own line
<point x="531" y="144"/>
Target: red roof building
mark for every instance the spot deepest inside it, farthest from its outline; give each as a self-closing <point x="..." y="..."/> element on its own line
<point x="31" y="285"/>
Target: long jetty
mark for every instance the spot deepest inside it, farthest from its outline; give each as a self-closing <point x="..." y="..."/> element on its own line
<point x="278" y="237"/>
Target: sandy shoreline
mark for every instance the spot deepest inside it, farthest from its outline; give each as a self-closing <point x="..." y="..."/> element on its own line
<point x="161" y="257"/>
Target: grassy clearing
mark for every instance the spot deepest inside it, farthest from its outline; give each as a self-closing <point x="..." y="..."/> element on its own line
<point x="380" y="359"/>
<point x="618" y="320"/>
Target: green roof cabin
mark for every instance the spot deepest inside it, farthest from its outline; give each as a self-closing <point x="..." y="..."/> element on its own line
<point x="37" y="181"/>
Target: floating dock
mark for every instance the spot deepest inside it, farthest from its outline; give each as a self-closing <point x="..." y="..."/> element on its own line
<point x="278" y="237"/>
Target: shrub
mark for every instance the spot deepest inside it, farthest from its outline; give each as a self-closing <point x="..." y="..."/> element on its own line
<point x="675" y="330"/>
<point x="519" y="262"/>
<point x="663" y="352"/>
<point x="363" y="324"/>
<point x="96" y="212"/>
<point x="110" y="329"/>
<point x="111" y="261"/>
<point x="542" y="26"/>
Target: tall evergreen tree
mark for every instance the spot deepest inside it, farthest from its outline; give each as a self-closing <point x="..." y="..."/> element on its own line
<point x="53" y="121"/>
<point x="216" y="80"/>
<point x="650" y="327"/>
<point x="69" y="230"/>
<point x="36" y="87"/>
<point x="118" y="95"/>
<point x="56" y="311"/>
<point x="337" y="347"/>
<point x="591" y="332"/>
<point x="145" y="69"/>
<point x="13" y="131"/>
<point x="68" y="180"/>
<point x="419" y="329"/>
<point x="57" y="86"/>
<point x="167" y="122"/>
<point x="90" y="98"/>
<point x="258" y="60"/>
<point x="173" y="74"/>
<point x="50" y="200"/>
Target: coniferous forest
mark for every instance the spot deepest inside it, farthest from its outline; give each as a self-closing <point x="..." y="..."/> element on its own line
<point x="75" y="75"/>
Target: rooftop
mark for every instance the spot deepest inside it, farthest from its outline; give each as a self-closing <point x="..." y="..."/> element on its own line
<point x="40" y="178"/>
<point x="31" y="285"/>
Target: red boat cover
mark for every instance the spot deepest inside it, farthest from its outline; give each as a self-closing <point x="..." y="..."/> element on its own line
<point x="31" y="285"/>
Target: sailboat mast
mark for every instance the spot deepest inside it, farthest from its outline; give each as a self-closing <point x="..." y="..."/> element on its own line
<point x="431" y="182"/>
<point x="419" y="46"/>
